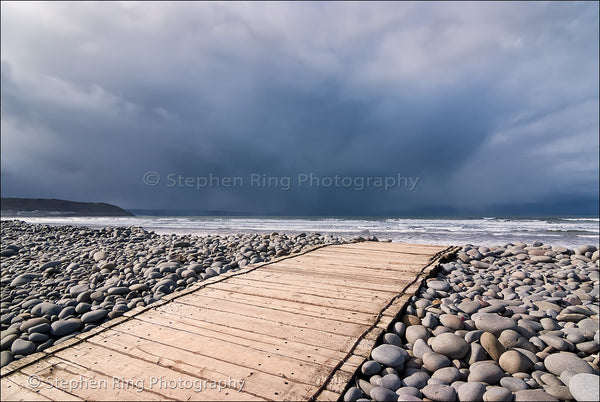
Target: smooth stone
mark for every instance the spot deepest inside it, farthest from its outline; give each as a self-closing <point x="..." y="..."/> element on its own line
<point x="493" y="323"/>
<point x="61" y="328"/>
<point x="476" y="354"/>
<point x="399" y="328"/>
<point x="93" y="316"/>
<point x="433" y="361"/>
<point x="417" y="379"/>
<point x="471" y="392"/>
<point x="389" y="355"/>
<point x="438" y="285"/>
<point x="549" y="324"/>
<point x="430" y="321"/>
<point x="585" y="387"/>
<point x="32" y="322"/>
<point x="393" y="339"/>
<point x="534" y="395"/>
<point x="486" y="371"/>
<point x="512" y="339"/>
<point x="46" y="308"/>
<point x="37" y="337"/>
<point x="492" y="345"/>
<point x="589" y="347"/>
<point x="391" y="381"/>
<point x="556" y="363"/>
<point x="119" y="290"/>
<point x="447" y="374"/>
<point x="513" y="361"/>
<point x="365" y="386"/>
<point x="439" y="392"/>
<point x="353" y="394"/>
<point x="8" y="340"/>
<point x="554" y="341"/>
<point x="409" y="391"/>
<point x="370" y="367"/>
<point x="560" y="392"/>
<point x="513" y="383"/>
<point x="415" y="332"/>
<point x="420" y="348"/>
<point x="451" y="345"/>
<point x="453" y="322"/>
<point x="6" y="357"/>
<point x="469" y="306"/>
<point x="22" y="347"/>
<point x="383" y="394"/>
<point x="494" y="394"/>
<point x="407" y="398"/>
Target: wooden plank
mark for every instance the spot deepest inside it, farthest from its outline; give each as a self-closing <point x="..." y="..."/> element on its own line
<point x="285" y="305"/>
<point x="303" y="298"/>
<point x="370" y="261"/>
<point x="149" y="376"/>
<point x="300" y="320"/>
<point x="324" y="278"/>
<point x="104" y="386"/>
<point x="334" y="283"/>
<point x="207" y="332"/>
<point x="176" y="312"/>
<point x="183" y="359"/>
<point x="33" y="390"/>
<point x="350" y="270"/>
<point x="316" y="289"/>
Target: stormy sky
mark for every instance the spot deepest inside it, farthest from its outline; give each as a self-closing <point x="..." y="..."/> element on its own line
<point x="304" y="108"/>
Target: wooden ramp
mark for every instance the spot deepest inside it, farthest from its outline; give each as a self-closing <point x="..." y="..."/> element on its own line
<point x="293" y="329"/>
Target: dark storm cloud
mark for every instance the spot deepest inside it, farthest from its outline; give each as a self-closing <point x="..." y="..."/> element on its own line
<point x="487" y="103"/>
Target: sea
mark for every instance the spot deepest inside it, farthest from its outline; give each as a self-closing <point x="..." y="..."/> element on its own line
<point x="488" y="231"/>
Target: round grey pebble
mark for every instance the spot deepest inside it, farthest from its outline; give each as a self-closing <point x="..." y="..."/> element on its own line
<point x="415" y="332"/>
<point x="64" y="327"/>
<point x="497" y="394"/>
<point x="471" y="392"/>
<point x="370" y="367"/>
<point x="391" y="381"/>
<point x="513" y="383"/>
<point x="352" y="394"/>
<point x="485" y="371"/>
<point x="6" y="357"/>
<point x="389" y="355"/>
<point x="513" y="361"/>
<point x="383" y="394"/>
<point x="439" y="392"/>
<point x="585" y="387"/>
<point x="556" y="363"/>
<point x="417" y="379"/>
<point x="493" y="323"/>
<point x="94" y="315"/>
<point x="451" y="345"/>
<point x="447" y="374"/>
<point x="433" y="361"/>
<point x="22" y="347"/>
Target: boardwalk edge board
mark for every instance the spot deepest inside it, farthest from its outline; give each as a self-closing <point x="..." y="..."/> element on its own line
<point x="372" y="335"/>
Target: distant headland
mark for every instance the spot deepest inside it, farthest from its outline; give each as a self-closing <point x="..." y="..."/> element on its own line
<point x="54" y="207"/>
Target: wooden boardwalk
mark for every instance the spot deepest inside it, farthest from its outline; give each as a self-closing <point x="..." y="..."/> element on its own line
<point x="293" y="329"/>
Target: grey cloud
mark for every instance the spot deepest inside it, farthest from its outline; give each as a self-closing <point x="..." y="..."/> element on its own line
<point x="472" y="98"/>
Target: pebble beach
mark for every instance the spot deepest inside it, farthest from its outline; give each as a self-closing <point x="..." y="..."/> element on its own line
<point x="517" y="322"/>
<point x="512" y="323"/>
